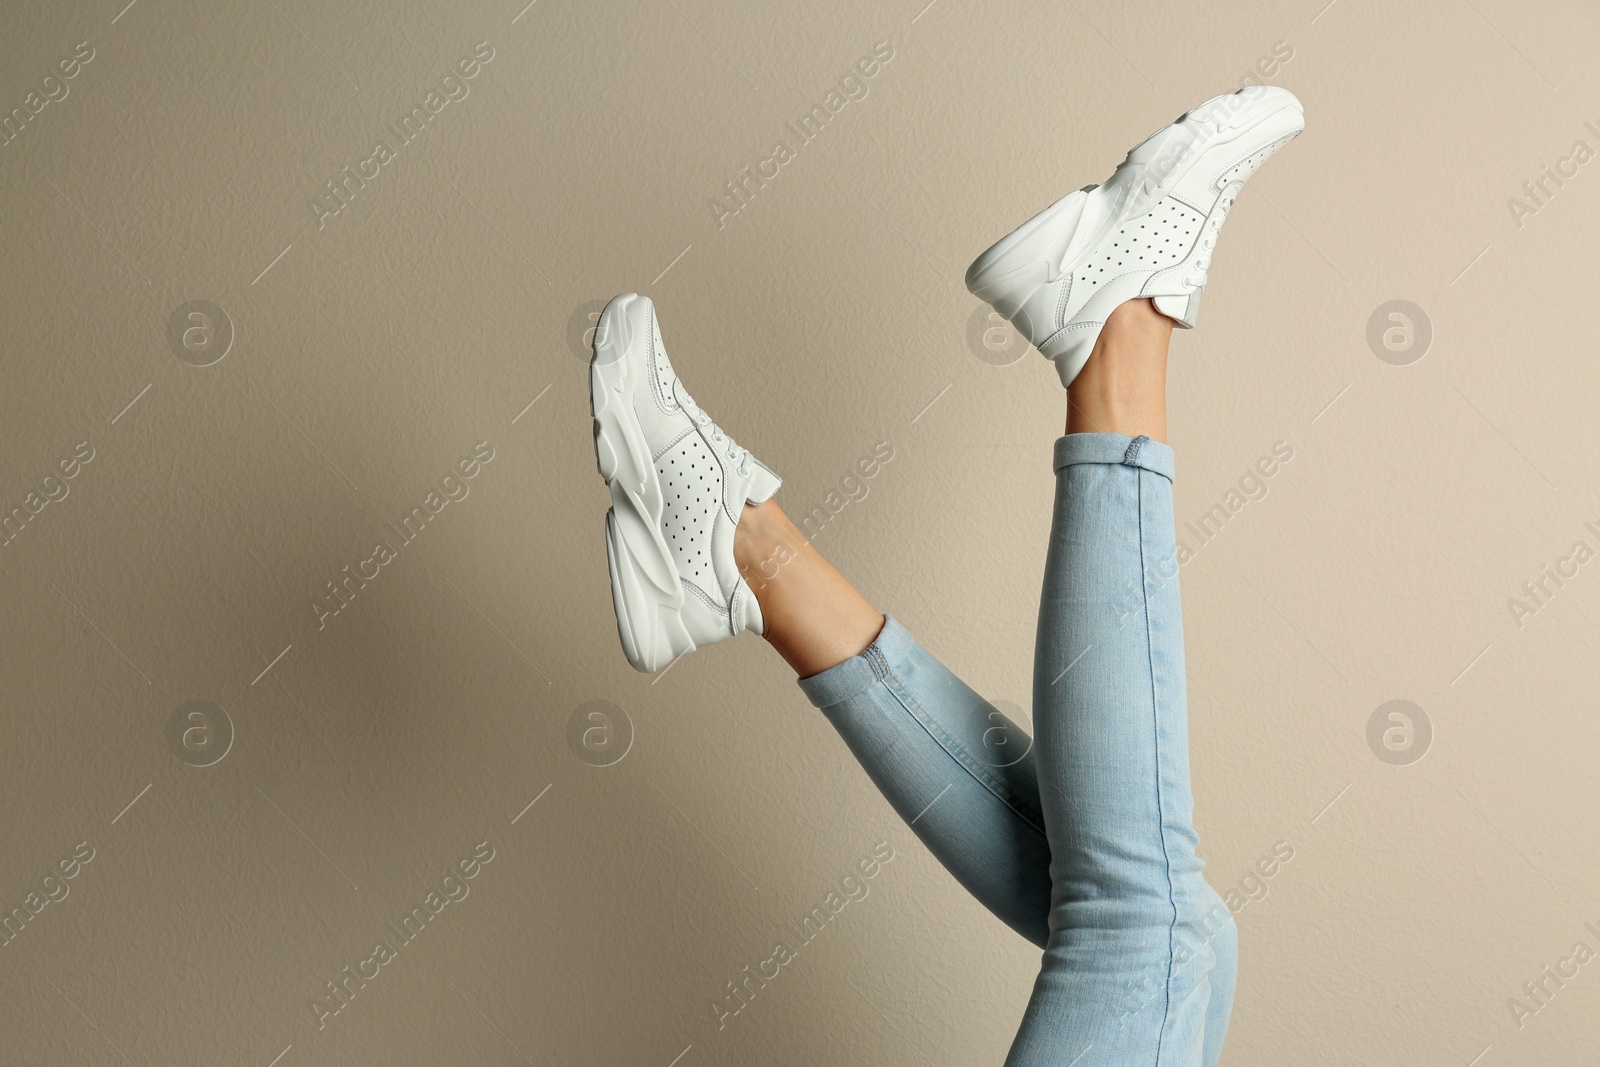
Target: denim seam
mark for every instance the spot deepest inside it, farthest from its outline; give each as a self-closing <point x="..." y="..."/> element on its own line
<point x="956" y="751"/>
<point x="874" y="657"/>
<point x="1155" y="714"/>
<point x="883" y="662"/>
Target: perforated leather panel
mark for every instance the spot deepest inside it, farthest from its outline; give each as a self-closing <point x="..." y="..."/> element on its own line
<point x="1242" y="170"/>
<point x="691" y="485"/>
<point x="1156" y="241"/>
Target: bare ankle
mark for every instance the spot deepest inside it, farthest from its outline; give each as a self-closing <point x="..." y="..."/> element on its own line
<point x="763" y="542"/>
<point x="1123" y="387"/>
<point x="810" y="614"/>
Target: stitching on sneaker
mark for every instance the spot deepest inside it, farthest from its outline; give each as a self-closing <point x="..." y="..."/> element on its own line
<point x="669" y="445"/>
<point x="1068" y="329"/>
<point x="721" y="610"/>
<point x="1193" y="207"/>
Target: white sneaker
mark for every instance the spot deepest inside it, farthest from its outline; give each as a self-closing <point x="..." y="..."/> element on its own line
<point x="1148" y="231"/>
<point x="678" y="488"/>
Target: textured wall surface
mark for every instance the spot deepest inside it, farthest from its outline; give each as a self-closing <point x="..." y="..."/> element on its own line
<point x="223" y="386"/>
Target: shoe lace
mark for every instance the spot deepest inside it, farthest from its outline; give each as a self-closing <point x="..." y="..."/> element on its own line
<point x="1208" y="241"/>
<point x="731" y="450"/>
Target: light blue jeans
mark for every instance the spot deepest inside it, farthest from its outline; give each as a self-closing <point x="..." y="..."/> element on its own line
<point x="1082" y="839"/>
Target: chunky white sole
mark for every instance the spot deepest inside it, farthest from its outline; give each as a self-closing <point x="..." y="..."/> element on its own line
<point x="1032" y="255"/>
<point x="645" y="587"/>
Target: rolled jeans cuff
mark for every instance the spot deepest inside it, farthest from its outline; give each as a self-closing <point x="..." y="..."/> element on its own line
<point x="862" y="671"/>
<point x="1138" y="451"/>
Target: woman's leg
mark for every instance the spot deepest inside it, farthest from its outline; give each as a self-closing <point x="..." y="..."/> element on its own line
<point x="955" y="769"/>
<point x="698" y="553"/>
<point x="963" y="777"/>
<point x="1138" y="968"/>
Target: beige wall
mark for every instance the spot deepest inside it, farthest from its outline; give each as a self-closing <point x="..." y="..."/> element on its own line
<point x="369" y="356"/>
